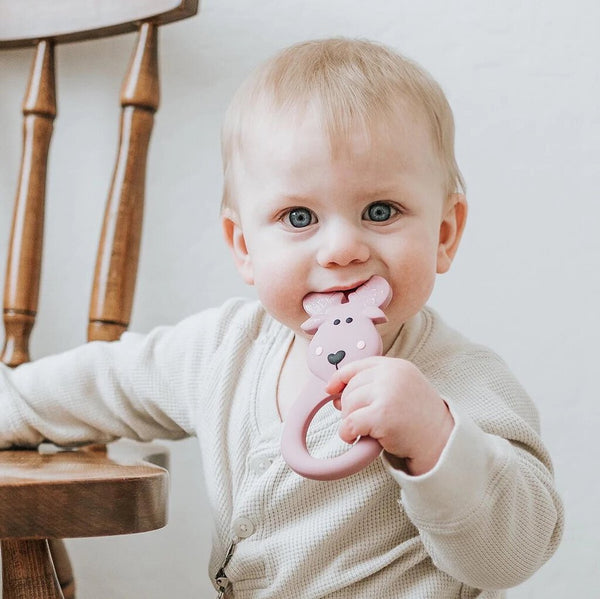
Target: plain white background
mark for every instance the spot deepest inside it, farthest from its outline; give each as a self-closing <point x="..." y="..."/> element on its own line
<point x="524" y="83"/>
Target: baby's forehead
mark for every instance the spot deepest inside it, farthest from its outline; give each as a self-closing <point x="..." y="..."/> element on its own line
<point x="293" y="154"/>
<point x="343" y="131"/>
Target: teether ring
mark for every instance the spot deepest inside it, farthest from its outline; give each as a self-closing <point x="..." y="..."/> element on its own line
<point x="344" y="330"/>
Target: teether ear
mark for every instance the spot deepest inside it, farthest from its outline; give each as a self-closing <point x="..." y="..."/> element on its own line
<point x="316" y="305"/>
<point x="375" y="314"/>
<point x="375" y="292"/>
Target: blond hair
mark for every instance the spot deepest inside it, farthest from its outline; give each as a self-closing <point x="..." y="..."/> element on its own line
<point x="353" y="82"/>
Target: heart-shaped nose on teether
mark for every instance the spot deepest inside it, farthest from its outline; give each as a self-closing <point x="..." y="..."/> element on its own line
<point x="344" y="330"/>
<point x="336" y="358"/>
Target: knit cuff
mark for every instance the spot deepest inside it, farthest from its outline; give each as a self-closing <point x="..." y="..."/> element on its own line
<point x="459" y="483"/>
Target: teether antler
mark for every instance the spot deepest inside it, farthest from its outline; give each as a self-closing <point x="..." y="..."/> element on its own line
<point x="344" y="330"/>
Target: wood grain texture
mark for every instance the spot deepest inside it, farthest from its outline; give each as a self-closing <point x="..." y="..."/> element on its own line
<point x="28" y="572"/>
<point x="78" y="494"/>
<point x="24" y="22"/>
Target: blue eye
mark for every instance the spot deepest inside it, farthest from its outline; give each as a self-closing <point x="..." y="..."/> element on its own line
<point x="300" y="217"/>
<point x="379" y="212"/>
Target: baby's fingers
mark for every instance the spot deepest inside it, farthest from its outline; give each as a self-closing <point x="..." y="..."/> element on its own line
<point x="357" y="424"/>
<point x="343" y="376"/>
<point x="337" y="402"/>
<point x="336" y="383"/>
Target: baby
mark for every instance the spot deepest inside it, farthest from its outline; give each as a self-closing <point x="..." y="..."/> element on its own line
<point x="339" y="166"/>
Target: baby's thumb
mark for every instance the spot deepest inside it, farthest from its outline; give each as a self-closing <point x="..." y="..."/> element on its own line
<point x="335" y="385"/>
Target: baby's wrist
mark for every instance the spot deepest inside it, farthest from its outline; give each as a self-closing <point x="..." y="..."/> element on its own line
<point x="426" y="460"/>
<point x="426" y="456"/>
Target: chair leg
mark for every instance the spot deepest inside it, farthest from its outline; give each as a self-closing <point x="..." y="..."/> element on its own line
<point x="62" y="565"/>
<point x="27" y="570"/>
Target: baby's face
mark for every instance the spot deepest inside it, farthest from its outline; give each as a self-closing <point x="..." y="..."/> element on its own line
<point x="310" y="222"/>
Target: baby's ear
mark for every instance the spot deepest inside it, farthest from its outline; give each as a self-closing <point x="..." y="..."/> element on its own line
<point x="234" y="236"/>
<point x="451" y="230"/>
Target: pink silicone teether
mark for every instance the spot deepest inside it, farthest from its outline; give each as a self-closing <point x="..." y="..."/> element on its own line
<point x="343" y="331"/>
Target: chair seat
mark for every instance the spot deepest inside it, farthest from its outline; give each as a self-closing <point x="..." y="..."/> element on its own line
<point x="79" y="494"/>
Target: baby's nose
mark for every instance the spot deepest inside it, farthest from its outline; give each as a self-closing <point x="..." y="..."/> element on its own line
<point x="342" y="245"/>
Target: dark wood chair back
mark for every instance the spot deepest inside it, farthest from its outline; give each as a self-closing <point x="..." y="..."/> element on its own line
<point x="45" y="498"/>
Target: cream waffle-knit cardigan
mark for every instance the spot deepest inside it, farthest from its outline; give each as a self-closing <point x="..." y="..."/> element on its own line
<point x="484" y="519"/>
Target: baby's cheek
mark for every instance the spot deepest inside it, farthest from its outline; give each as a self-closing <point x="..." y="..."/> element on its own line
<point x="281" y="300"/>
<point x="412" y="287"/>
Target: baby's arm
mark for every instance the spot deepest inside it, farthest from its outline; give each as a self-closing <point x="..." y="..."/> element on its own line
<point x="488" y="514"/>
<point x="136" y="388"/>
<point x="486" y="508"/>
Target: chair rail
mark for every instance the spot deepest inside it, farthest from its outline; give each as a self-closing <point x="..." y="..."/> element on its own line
<point x="25" y="23"/>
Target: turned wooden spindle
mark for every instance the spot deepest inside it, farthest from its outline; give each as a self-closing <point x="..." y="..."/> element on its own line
<point x="29" y="562"/>
<point x="22" y="282"/>
<point x="118" y="252"/>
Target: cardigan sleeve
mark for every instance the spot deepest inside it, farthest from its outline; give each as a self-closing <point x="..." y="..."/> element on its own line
<point x="488" y="512"/>
<point x="141" y="387"/>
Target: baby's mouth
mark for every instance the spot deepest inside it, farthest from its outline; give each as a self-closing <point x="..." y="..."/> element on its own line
<point x="346" y="291"/>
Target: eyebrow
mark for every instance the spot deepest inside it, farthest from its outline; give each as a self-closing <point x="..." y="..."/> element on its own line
<point x="296" y="199"/>
<point x="293" y="200"/>
<point x="377" y="193"/>
<point x="380" y="192"/>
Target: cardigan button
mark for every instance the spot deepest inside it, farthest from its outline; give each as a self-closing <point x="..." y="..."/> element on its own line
<point x="260" y="464"/>
<point x="243" y="527"/>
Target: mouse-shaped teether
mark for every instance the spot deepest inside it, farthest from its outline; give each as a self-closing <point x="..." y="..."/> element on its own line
<point x="344" y="330"/>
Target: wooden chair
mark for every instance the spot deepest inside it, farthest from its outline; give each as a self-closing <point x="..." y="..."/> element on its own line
<point x="44" y="498"/>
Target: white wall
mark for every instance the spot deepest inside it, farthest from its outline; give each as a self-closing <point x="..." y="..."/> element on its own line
<point x="524" y="81"/>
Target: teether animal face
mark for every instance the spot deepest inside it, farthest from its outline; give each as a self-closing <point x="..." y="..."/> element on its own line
<point x="344" y="329"/>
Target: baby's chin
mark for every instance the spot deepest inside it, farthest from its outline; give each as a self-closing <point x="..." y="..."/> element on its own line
<point x="292" y="321"/>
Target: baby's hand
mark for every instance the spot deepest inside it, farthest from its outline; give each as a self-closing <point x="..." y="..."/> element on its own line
<point x="390" y="400"/>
